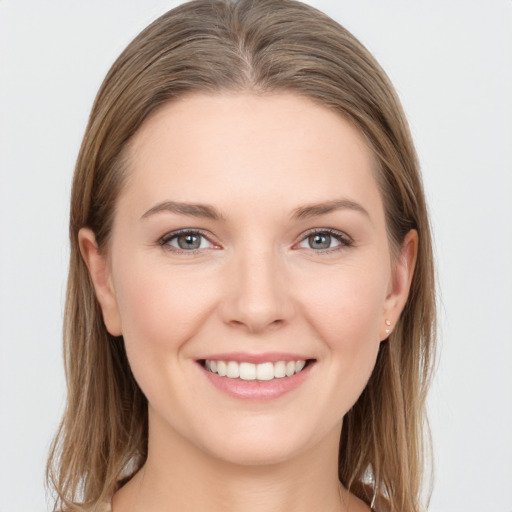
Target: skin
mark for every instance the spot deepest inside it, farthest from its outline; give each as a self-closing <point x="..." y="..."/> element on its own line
<point x="257" y="284"/>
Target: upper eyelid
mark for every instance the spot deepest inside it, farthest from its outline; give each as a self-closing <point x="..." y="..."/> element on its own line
<point x="330" y="231"/>
<point x="177" y="232"/>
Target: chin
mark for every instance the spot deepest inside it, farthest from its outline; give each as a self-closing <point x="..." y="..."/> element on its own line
<point x="266" y="452"/>
<point x="261" y="441"/>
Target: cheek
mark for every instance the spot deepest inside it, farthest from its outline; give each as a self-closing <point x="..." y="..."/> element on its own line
<point x="350" y="300"/>
<point x="158" y="298"/>
<point x="345" y="309"/>
<point x="160" y="311"/>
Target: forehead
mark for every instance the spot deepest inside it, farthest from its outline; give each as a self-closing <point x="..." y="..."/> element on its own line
<point x="256" y="149"/>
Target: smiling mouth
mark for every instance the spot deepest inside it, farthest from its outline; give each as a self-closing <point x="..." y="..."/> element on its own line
<point x="255" y="372"/>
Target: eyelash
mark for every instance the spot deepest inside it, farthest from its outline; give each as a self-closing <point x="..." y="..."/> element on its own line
<point x="344" y="240"/>
<point x="164" y="241"/>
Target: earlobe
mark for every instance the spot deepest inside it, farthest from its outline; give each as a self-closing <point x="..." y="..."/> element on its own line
<point x="99" y="271"/>
<point x="401" y="282"/>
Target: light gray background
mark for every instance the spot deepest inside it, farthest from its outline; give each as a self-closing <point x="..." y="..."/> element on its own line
<point x="451" y="64"/>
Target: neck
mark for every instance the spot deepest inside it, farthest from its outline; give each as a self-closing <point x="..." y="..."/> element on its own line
<point x="180" y="476"/>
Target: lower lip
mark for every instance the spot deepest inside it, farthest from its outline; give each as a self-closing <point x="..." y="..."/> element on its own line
<point x="256" y="389"/>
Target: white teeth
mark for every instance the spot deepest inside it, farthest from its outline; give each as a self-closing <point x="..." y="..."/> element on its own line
<point x="299" y="365"/>
<point x="265" y="371"/>
<point x="250" y="371"/>
<point x="221" y="368"/>
<point x="247" y="371"/>
<point x="233" y="370"/>
<point x="280" y="369"/>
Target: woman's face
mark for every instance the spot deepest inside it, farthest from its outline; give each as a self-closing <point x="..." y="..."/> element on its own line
<point x="250" y="235"/>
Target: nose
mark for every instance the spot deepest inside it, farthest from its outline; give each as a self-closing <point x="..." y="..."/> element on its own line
<point x="257" y="294"/>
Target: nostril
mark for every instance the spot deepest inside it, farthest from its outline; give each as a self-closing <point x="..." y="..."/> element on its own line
<point x="255" y="325"/>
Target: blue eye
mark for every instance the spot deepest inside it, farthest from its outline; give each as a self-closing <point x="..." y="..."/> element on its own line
<point x="326" y="240"/>
<point x="186" y="241"/>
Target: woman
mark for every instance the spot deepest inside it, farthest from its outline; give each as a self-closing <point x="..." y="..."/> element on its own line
<point x="250" y="308"/>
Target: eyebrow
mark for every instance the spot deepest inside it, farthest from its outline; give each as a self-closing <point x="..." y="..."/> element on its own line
<point x="192" y="209"/>
<point x="313" y="210"/>
<point x="209" y="212"/>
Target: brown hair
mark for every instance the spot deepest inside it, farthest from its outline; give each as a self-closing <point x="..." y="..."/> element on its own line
<point x="261" y="46"/>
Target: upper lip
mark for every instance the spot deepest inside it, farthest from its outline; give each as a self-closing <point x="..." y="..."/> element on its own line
<point x="247" y="357"/>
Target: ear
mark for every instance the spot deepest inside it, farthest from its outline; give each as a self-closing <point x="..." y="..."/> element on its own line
<point x="98" y="267"/>
<point x="403" y="272"/>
